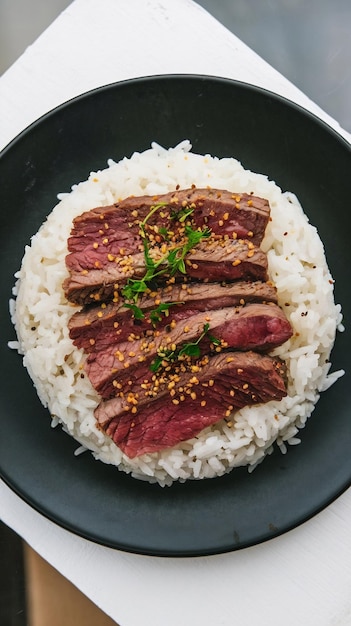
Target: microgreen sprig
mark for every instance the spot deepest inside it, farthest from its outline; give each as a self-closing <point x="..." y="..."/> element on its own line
<point x="191" y="349"/>
<point x="176" y="257"/>
<point x="182" y="215"/>
<point x="155" y="314"/>
<point x="172" y="262"/>
<point x="163" y="307"/>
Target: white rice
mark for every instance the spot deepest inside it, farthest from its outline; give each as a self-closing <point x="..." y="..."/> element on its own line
<point x="297" y="265"/>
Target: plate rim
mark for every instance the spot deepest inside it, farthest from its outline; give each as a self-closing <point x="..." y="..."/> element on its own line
<point x="182" y="76"/>
<point x="83" y="96"/>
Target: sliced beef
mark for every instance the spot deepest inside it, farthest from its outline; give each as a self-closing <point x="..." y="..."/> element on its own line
<point x="211" y="260"/>
<point x="254" y="326"/>
<point x="225" y="383"/>
<point x="155" y="393"/>
<point x="116" y="227"/>
<point x="100" y="325"/>
<point x="226" y="260"/>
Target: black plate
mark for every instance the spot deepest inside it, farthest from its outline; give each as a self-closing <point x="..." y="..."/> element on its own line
<point x="225" y="118"/>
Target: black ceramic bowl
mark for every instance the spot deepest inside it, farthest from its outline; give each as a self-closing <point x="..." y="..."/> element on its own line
<point x="267" y="134"/>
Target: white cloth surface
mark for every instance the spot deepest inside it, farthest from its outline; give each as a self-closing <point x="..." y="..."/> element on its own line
<point x="302" y="577"/>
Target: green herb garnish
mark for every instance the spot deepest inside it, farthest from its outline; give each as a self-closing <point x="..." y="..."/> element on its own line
<point x="171" y="262"/>
<point x="176" y="257"/>
<point x="138" y="314"/>
<point x="156" y="314"/>
<point x="191" y="349"/>
<point x="182" y="214"/>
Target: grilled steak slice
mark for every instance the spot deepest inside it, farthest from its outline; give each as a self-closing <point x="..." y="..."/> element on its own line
<point x="214" y="260"/>
<point x="227" y="382"/>
<point x="117" y="226"/>
<point x="210" y="260"/>
<point x="101" y="325"/>
<point x="254" y="326"/>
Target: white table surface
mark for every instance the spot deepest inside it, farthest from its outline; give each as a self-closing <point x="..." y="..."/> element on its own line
<point x="302" y="577"/>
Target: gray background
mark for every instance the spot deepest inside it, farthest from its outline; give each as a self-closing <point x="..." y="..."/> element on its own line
<point x="308" y="41"/>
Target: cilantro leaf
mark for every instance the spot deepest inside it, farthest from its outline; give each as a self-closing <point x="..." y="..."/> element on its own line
<point x="137" y="312"/>
<point x="156" y="314"/>
<point x="171" y="262"/>
<point x="191" y="349"/>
